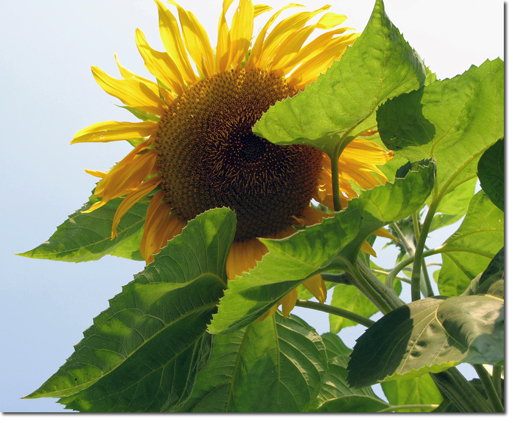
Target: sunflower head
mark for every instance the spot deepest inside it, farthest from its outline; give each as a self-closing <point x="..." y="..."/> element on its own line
<point x="196" y="147"/>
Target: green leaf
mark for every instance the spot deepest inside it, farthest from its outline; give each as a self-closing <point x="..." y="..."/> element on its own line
<point x="143" y="352"/>
<point x="353" y="404"/>
<point x="454" y="121"/>
<point x="272" y="366"/>
<point x="86" y="236"/>
<point x="342" y="103"/>
<point x="478" y="239"/>
<point x="491" y="281"/>
<point x="453" y="205"/>
<point x="328" y="245"/>
<point x="429" y="335"/>
<point x="349" y="298"/>
<point x="417" y="390"/>
<point x="490" y="170"/>
<point x="335" y="385"/>
<point x="131" y="248"/>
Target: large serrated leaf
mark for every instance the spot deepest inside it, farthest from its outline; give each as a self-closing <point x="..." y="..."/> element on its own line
<point x="143" y="352"/>
<point x="342" y="103"/>
<point x="429" y="335"/>
<point x="87" y="236"/>
<point x="272" y="366"/>
<point x="477" y="240"/>
<point x="330" y="244"/>
<point x="335" y="386"/>
<point x="454" y="120"/>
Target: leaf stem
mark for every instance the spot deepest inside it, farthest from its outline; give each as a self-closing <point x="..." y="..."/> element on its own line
<point x="335" y="183"/>
<point x="346" y="314"/>
<point x="427" y="283"/>
<point x="403" y="239"/>
<point x="486" y="380"/>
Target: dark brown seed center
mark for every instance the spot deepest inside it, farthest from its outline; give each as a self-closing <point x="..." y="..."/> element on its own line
<point x="209" y="157"/>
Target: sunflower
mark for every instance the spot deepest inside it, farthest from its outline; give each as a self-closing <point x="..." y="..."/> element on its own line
<point x="194" y="149"/>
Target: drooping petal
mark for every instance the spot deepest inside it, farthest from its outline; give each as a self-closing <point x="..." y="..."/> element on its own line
<point x="114" y="131"/>
<point x="173" y="43"/>
<point x="317" y="288"/>
<point x="288" y="302"/>
<point x="160" y="64"/>
<point x="196" y="41"/>
<point x="132" y="92"/>
<point x="382" y="232"/>
<point x="243" y="257"/>
<point x="367" y="249"/>
<point x="145" y="188"/>
<point x="159" y="228"/>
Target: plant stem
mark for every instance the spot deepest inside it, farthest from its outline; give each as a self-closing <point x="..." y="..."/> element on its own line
<point x="425" y="274"/>
<point x="385" y="273"/>
<point x="409" y="406"/>
<point x="417" y="262"/>
<point x="497" y="379"/>
<point x="460" y="391"/>
<point x="346" y="314"/>
<point x="335" y="184"/>
<point x="486" y="380"/>
<point x="403" y="239"/>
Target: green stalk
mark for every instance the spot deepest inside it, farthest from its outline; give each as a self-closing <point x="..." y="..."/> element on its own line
<point x="405" y="242"/>
<point x="416" y="227"/>
<point x="346" y="314"/>
<point x="486" y="380"/>
<point x="497" y="379"/>
<point x="334" y="182"/>
<point x="460" y="392"/>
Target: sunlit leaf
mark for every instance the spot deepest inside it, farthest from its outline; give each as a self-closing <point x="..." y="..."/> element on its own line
<point x="417" y="390"/>
<point x="86" y="236"/>
<point x="143" y="352"/>
<point x="343" y="102"/>
<point x="328" y="245"/>
<point x="272" y="366"/>
<point x="454" y="120"/>
<point x="479" y="238"/>
<point x="335" y="386"/>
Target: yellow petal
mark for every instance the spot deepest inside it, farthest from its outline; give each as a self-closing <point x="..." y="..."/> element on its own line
<point x="160" y="64"/>
<point x="385" y="234"/>
<point x="288" y="302"/>
<point x="196" y="41"/>
<point x="312" y="49"/>
<point x="241" y="31"/>
<point x="243" y="257"/>
<point x="311" y="69"/>
<point x="317" y="288"/>
<point x="96" y="173"/>
<point x="132" y="92"/>
<point x="268" y="313"/>
<point x="114" y="131"/>
<point x="223" y="40"/>
<point x="173" y="43"/>
<point x="256" y="51"/>
<point x="261" y="8"/>
<point x="145" y="188"/>
<point x="367" y="249"/>
<point x="281" y="32"/>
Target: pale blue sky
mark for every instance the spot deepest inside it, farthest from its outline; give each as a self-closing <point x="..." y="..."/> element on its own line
<point x="48" y="94"/>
